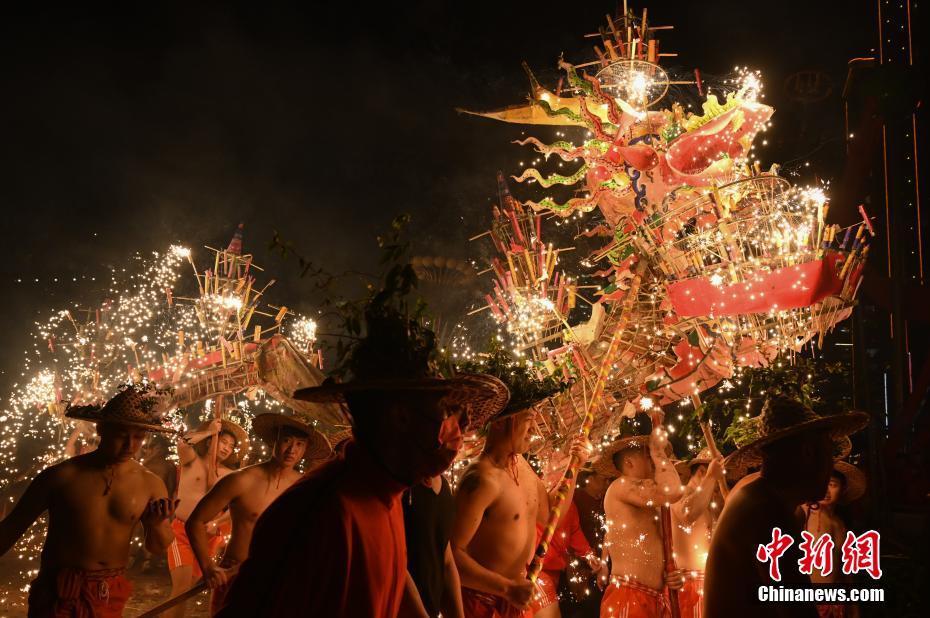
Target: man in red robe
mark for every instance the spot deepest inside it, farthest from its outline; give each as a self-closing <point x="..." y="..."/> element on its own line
<point x="333" y="544"/>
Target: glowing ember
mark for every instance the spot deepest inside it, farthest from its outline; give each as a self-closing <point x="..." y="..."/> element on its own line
<point x="302" y="332"/>
<point x="529" y="316"/>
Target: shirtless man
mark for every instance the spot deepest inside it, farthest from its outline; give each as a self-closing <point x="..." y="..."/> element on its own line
<point x="693" y="519"/>
<point x="795" y="449"/>
<point x="501" y="506"/>
<point x="155" y="457"/>
<point x="248" y="492"/>
<point x="847" y="484"/>
<point x="94" y="502"/>
<point x="196" y="475"/>
<point x="647" y="480"/>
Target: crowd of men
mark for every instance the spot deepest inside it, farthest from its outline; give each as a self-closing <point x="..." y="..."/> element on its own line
<point x="373" y="528"/>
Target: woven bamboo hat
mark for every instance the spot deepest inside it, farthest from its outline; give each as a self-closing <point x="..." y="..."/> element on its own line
<point x="782" y="418"/>
<point x="135" y="405"/>
<point x="266" y="427"/>
<point x="240" y="434"/>
<point x="855" y="481"/>
<point x="702" y="458"/>
<point x="484" y="396"/>
<point x="604" y="464"/>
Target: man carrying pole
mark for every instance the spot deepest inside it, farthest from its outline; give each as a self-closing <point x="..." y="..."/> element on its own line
<point x="502" y="504"/>
<point x="693" y="518"/>
<point x="645" y="481"/>
<point x="248" y="492"/>
<point x="206" y="455"/>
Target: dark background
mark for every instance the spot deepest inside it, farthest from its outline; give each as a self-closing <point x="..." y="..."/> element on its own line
<point x="127" y="129"/>
<point x="130" y="128"/>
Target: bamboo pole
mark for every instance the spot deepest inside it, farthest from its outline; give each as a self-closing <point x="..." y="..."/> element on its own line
<point x="568" y="478"/>
<point x="668" y="554"/>
<point x="709" y="438"/>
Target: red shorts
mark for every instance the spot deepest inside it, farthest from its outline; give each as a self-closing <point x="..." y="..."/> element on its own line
<point x="180" y="552"/>
<point x="483" y="605"/>
<point x="629" y="599"/>
<point x="831" y="611"/>
<point x="547" y="590"/>
<point x="75" y="592"/>
<point x="691" y="596"/>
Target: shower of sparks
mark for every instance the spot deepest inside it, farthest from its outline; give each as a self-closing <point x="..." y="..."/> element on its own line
<point x="530" y="316"/>
<point x="749" y="83"/>
<point x="82" y="354"/>
<point x="302" y="332"/>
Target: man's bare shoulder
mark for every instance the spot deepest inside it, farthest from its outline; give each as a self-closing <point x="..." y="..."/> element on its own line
<point x="150" y="478"/>
<point x="751" y="511"/>
<point x="63" y="470"/>
<point x="754" y="497"/>
<point x="525" y="467"/>
<point x="244" y="478"/>
<point x="480" y="476"/>
<point x="196" y="462"/>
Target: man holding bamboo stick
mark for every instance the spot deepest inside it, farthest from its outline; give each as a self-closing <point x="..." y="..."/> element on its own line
<point x="201" y="465"/>
<point x="693" y="519"/>
<point x="646" y="480"/>
<point x="248" y="492"/>
<point x="502" y="506"/>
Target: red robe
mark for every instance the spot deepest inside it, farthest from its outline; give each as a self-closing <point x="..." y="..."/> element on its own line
<point x="331" y="545"/>
<point x="569" y="540"/>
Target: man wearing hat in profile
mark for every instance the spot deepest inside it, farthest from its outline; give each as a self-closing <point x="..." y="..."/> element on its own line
<point x="333" y="544"/>
<point x="693" y="518"/>
<point x="795" y="449"/>
<point x="847" y="484"/>
<point x="248" y="492"/>
<point x="198" y="472"/>
<point x="646" y="480"/>
<point x="429" y="515"/>
<point x="503" y="505"/>
<point x="94" y="502"/>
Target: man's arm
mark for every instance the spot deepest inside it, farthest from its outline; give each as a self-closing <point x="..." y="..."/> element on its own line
<point x="476" y="493"/>
<point x="695" y="503"/>
<point x="581" y="449"/>
<point x="411" y="605"/>
<point x="155" y="518"/>
<point x="224" y="492"/>
<point x="646" y="492"/>
<point x="33" y="503"/>
<point x="665" y="489"/>
<point x="452" y="587"/>
<point x="473" y="498"/>
<point x="186" y="452"/>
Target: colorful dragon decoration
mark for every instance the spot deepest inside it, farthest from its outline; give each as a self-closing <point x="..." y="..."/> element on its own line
<point x="733" y="264"/>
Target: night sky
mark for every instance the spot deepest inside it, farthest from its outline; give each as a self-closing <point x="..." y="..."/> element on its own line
<point x="133" y="128"/>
